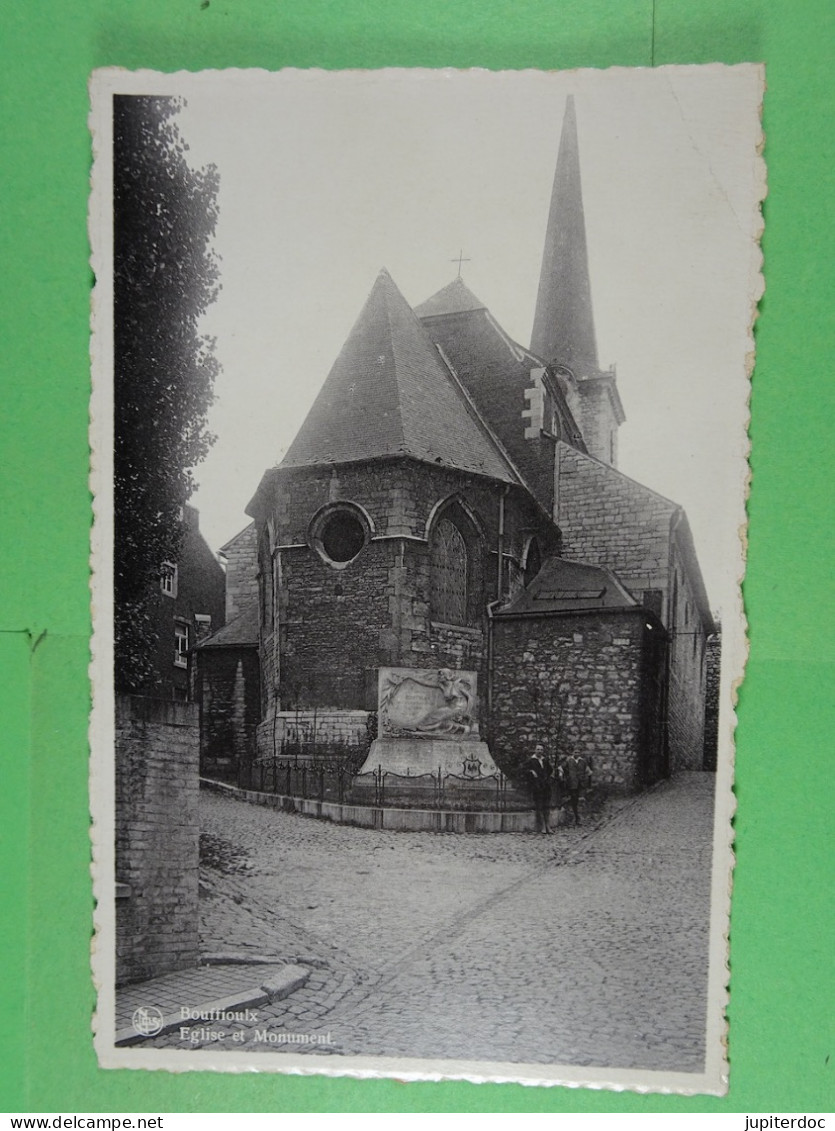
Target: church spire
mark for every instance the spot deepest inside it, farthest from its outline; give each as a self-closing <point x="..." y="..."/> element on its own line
<point x="563" y="328"/>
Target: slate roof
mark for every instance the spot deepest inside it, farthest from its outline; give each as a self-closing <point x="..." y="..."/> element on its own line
<point x="563" y="326"/>
<point x="496" y="372"/>
<point x="567" y="586"/>
<point x="238" y="633"/>
<point x="389" y="393"/>
<point x="247" y="531"/>
<point x="455" y="298"/>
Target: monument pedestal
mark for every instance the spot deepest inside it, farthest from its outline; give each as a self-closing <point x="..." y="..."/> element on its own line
<point x="431" y="773"/>
<point x="429" y="754"/>
<point x="410" y="757"/>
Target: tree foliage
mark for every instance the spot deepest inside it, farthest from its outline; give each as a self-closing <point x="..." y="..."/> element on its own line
<point x="165" y="276"/>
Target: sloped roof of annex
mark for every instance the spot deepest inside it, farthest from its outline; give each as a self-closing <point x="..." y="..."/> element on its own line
<point x="564" y="585"/>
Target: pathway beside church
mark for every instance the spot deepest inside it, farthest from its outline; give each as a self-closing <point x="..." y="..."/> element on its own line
<point x="588" y="947"/>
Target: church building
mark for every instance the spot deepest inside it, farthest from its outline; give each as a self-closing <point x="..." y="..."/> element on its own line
<point x="453" y="501"/>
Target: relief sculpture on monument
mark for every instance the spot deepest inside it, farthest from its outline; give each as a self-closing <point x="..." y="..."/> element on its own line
<point x="433" y="702"/>
<point x="428" y="724"/>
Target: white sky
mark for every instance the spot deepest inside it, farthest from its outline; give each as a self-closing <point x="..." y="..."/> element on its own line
<point x="326" y="178"/>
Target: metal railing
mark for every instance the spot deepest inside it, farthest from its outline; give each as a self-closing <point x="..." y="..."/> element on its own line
<point x="320" y="781"/>
<point x="338" y="782"/>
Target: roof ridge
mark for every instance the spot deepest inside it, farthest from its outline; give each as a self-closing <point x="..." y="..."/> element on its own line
<point x="448" y="301"/>
<point x="467" y="403"/>
<point x="476" y="412"/>
<point x="394" y="357"/>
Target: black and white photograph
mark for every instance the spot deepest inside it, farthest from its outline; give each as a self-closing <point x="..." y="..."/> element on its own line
<point x="419" y="460"/>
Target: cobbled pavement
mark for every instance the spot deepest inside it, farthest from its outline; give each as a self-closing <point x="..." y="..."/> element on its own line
<point x="588" y="947"/>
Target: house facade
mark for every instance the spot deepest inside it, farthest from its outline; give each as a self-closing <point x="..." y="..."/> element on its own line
<point x="190" y="606"/>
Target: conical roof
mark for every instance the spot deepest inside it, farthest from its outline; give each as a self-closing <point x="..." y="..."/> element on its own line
<point x="455" y="298"/>
<point x="563" y="328"/>
<point x="389" y="393"/>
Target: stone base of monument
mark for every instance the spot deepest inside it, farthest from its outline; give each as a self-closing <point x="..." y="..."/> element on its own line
<point x="428" y="754"/>
<point x="467" y="757"/>
<point x="430" y="773"/>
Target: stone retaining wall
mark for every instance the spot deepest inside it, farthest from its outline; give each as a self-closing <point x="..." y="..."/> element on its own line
<point x="157" y="837"/>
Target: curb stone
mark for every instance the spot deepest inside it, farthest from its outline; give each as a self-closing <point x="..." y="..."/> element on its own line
<point x="281" y="986"/>
<point x="241" y="959"/>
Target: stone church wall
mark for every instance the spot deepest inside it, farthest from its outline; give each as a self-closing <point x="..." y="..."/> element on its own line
<point x="578" y="680"/>
<point x="335" y="629"/>
<point x="608" y="519"/>
<point x="337" y="626"/>
<point x="597" y="421"/>
<point x="157" y="837"/>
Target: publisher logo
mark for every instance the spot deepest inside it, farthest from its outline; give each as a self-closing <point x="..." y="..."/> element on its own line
<point x="147" y="1020"/>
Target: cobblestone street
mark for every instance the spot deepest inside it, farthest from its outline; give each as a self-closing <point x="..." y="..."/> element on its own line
<point x="588" y="947"/>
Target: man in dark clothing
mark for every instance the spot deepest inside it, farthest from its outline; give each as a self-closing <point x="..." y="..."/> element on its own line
<point x="538" y="778"/>
<point x="575" y="776"/>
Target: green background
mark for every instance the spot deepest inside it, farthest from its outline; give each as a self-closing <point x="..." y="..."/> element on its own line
<point x="781" y="979"/>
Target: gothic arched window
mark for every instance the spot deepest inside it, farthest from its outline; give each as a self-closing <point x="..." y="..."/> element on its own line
<point x="449" y="573"/>
<point x="533" y="560"/>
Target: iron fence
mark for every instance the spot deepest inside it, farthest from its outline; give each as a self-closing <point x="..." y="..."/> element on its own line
<point x="320" y="781"/>
<point x="338" y="782"/>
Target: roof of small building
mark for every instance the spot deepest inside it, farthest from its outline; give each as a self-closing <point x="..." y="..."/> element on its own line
<point x="565" y="586"/>
<point x="455" y="298"/>
<point x="240" y="632"/>
<point x="389" y="393"/>
<point x="248" y="532"/>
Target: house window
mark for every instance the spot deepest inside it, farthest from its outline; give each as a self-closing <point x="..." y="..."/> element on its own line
<point x="449" y="573"/>
<point x="181" y="635"/>
<point x="168" y="582"/>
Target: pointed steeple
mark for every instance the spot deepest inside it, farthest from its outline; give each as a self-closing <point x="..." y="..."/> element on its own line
<point x="563" y="328"/>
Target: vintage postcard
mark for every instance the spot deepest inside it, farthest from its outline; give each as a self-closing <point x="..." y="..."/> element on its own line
<point x="419" y="431"/>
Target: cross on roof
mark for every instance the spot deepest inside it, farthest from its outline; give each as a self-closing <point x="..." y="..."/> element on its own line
<point x="459" y="259"/>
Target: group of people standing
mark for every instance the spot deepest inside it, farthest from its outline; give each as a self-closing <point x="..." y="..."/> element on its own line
<point x="571" y="776"/>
